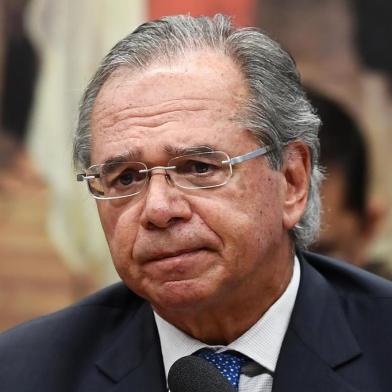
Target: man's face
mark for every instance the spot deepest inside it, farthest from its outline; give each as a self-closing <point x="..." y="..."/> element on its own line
<point x="185" y="249"/>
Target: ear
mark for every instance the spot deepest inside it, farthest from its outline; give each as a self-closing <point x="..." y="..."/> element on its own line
<point x="296" y="171"/>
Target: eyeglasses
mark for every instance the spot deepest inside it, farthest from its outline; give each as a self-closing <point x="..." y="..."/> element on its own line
<point x="204" y="170"/>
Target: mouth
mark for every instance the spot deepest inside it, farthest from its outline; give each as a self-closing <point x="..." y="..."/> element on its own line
<point x="175" y="254"/>
<point x="178" y="265"/>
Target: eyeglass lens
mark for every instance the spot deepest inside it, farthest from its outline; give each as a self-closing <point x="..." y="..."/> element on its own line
<point x="204" y="170"/>
<point x="117" y="179"/>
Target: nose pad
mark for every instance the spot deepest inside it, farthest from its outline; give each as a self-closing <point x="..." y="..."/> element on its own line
<point x="169" y="179"/>
<point x="162" y="171"/>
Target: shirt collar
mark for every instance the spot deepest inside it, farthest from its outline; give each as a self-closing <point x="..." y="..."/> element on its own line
<point x="262" y="342"/>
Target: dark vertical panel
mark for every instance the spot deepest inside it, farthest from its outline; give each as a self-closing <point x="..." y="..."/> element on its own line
<point x="374" y="33"/>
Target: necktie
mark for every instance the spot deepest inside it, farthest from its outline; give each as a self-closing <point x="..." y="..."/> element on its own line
<point x="229" y="363"/>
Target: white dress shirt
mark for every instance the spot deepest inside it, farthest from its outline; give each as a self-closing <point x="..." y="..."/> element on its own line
<point x="261" y="343"/>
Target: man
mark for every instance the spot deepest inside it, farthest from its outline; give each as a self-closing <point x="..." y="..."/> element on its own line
<point x="350" y="216"/>
<point x="200" y="147"/>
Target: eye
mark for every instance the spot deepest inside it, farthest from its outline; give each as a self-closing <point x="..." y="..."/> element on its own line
<point x="126" y="178"/>
<point x="195" y="167"/>
<point x="120" y="179"/>
<point x="200" y="167"/>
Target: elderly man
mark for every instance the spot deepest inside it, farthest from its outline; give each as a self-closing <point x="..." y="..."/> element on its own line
<point x="201" y="149"/>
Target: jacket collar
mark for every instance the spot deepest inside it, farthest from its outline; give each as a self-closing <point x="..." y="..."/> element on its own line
<point x="319" y="339"/>
<point x="135" y="359"/>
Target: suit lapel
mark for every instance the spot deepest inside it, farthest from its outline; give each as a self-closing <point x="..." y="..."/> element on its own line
<point x="134" y="361"/>
<point x="318" y="341"/>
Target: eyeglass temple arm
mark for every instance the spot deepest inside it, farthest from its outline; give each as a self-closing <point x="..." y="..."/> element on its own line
<point x="249" y="155"/>
<point x="83" y="177"/>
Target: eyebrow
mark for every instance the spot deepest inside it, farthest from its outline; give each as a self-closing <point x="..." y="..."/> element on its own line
<point x="112" y="162"/>
<point x="196" y="149"/>
<point x="127" y="156"/>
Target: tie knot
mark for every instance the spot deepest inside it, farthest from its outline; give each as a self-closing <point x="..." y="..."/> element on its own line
<point x="228" y="363"/>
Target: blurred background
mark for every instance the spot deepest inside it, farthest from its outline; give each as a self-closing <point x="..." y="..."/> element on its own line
<point x="52" y="249"/>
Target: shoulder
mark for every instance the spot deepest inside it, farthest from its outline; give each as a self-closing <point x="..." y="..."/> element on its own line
<point x="84" y="323"/>
<point x="343" y="315"/>
<point x="58" y="351"/>
<point x="349" y="280"/>
<point x="365" y="299"/>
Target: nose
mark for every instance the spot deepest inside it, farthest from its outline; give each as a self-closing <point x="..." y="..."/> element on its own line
<point x="165" y="205"/>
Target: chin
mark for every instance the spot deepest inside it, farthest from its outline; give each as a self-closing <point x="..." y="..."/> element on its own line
<point x="180" y="296"/>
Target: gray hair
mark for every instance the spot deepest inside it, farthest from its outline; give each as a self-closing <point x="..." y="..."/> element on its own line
<point x="277" y="111"/>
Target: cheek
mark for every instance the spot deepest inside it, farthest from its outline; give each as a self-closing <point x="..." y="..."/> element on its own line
<point x="248" y="219"/>
<point x="260" y="199"/>
<point x="120" y="227"/>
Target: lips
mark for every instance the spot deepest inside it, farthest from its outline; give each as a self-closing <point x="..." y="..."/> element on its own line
<point x="178" y="241"/>
<point x="177" y="266"/>
<point x="159" y="256"/>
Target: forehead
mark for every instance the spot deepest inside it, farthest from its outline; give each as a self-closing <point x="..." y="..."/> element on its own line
<point x="192" y="101"/>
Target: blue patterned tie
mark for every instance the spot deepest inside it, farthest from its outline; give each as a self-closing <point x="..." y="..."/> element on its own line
<point x="229" y="363"/>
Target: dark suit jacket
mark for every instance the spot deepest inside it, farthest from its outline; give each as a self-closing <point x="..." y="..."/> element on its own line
<point x="339" y="340"/>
